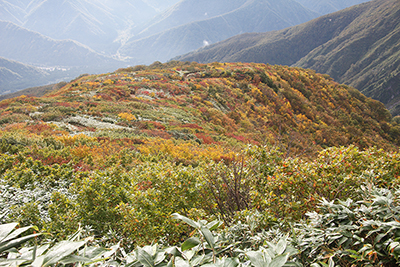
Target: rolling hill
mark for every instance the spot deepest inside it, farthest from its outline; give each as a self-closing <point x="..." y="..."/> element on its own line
<point x="218" y="103"/>
<point x="241" y="16"/>
<point x="357" y="46"/>
<point x="127" y="149"/>
<point x="36" y="91"/>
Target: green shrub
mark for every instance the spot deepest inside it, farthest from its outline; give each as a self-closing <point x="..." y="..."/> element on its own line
<point x="362" y="233"/>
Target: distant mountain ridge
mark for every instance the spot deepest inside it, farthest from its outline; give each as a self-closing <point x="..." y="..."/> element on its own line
<point x="11" y="12"/>
<point x="30" y="47"/>
<point x="23" y="51"/>
<point x="96" y="23"/>
<point x="242" y="16"/>
<point x="14" y="75"/>
<point x="324" y="7"/>
<point x="185" y="12"/>
<point x="104" y="35"/>
<point x="358" y="46"/>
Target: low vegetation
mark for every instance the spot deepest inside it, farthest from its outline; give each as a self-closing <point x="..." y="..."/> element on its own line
<point x="188" y="165"/>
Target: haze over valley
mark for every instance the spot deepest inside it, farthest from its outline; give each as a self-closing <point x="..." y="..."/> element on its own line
<point x="68" y="38"/>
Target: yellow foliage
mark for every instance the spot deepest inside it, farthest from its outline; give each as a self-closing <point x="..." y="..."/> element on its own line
<point x="127" y="116"/>
<point x="108" y="82"/>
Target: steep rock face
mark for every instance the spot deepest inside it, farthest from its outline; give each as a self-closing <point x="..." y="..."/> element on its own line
<point x="249" y="16"/>
<point x="357" y="46"/>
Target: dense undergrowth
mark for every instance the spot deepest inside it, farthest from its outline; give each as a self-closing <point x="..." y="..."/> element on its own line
<point x="342" y="233"/>
<point x="250" y="147"/>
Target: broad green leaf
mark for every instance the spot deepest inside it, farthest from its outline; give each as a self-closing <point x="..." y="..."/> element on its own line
<point x="256" y="258"/>
<point x="281" y="246"/>
<point x="75" y="259"/>
<point x="171" y="262"/>
<point x="192" y="223"/>
<point x="190" y="243"/>
<point x="61" y="250"/>
<point x="38" y="262"/>
<point x="160" y="256"/>
<point x="213" y="225"/>
<point x="16" y="233"/>
<point x="208" y="236"/>
<point x="179" y="262"/>
<point x="29" y="252"/>
<point x="145" y="258"/>
<point x="93" y="252"/>
<point x="393" y="245"/>
<point x="199" y="260"/>
<point x="16" y="242"/>
<point x="188" y="254"/>
<point x="280" y="260"/>
<point x="379" y="237"/>
<point x="173" y="251"/>
<point x="6" y="229"/>
<point x="111" y="251"/>
<point x="151" y="250"/>
<point x="13" y="262"/>
<point x="229" y="262"/>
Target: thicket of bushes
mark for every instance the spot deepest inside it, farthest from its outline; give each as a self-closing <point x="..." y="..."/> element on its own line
<point x="342" y="233"/>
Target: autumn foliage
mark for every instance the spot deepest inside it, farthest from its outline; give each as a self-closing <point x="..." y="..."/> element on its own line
<point x="123" y="151"/>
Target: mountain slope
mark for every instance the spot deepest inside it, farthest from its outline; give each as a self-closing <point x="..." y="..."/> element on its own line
<point x="224" y="104"/>
<point x="14" y="75"/>
<point x="95" y="23"/>
<point x="11" y="12"/>
<point x="161" y="5"/>
<point x="357" y="46"/>
<point x="329" y="6"/>
<point x="29" y="47"/>
<point x="252" y="16"/>
<point x="186" y="12"/>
